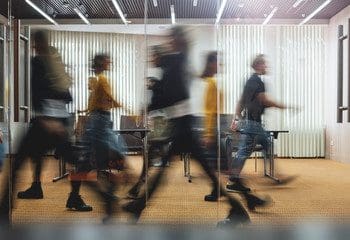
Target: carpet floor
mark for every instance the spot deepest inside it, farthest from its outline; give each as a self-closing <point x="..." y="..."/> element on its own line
<point x="318" y="193"/>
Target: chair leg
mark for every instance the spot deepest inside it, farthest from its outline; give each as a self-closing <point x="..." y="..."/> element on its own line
<point x="189" y="168"/>
<point x="256" y="163"/>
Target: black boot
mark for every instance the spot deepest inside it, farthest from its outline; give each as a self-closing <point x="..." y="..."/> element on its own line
<point x="254" y="201"/>
<point x="135" y="208"/>
<point x="237" y="185"/>
<point x="234" y="219"/>
<point x="76" y="202"/>
<point x="34" y="192"/>
<point x="212" y="197"/>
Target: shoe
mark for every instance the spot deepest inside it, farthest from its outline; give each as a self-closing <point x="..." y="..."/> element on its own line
<point x="77" y="203"/>
<point x="110" y="199"/>
<point x="212" y="197"/>
<point x="34" y="192"/>
<point x="135" y="208"/>
<point x="161" y="164"/>
<point x="237" y="186"/>
<point x="233" y="220"/>
<point x="254" y="201"/>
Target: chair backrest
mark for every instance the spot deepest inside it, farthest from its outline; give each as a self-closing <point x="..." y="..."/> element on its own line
<point x="225" y="122"/>
<point x="133" y="143"/>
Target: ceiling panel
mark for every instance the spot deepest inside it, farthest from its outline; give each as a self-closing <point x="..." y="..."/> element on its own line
<point x="183" y="8"/>
<point x="3" y="8"/>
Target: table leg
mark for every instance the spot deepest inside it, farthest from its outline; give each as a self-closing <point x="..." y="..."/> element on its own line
<point x="62" y="171"/>
<point x="271" y="174"/>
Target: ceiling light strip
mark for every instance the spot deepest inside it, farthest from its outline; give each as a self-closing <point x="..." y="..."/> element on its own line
<point x="119" y="10"/>
<point x="221" y="10"/>
<point x="315" y="12"/>
<point x="81" y="15"/>
<point x="297" y="3"/>
<point x="268" y="18"/>
<point x="41" y="12"/>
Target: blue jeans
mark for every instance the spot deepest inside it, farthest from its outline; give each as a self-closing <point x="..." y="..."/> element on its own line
<point x="99" y="134"/>
<point x="2" y="154"/>
<point x="252" y="133"/>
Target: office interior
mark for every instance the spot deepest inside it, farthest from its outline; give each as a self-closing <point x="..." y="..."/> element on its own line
<point x="307" y="49"/>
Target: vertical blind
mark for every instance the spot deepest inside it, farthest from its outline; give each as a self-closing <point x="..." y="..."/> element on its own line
<point x="296" y="56"/>
<point x="126" y="74"/>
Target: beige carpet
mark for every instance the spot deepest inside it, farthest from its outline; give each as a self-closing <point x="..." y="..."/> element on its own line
<point x="319" y="192"/>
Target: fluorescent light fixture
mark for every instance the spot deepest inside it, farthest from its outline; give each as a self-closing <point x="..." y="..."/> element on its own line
<point x="221" y="10"/>
<point x="195" y="3"/>
<point x="172" y="11"/>
<point x="315" y="12"/>
<point x="155" y="3"/>
<point x="41" y="12"/>
<point x="81" y="15"/>
<point x="268" y="18"/>
<point x="297" y="3"/>
<point x="119" y="10"/>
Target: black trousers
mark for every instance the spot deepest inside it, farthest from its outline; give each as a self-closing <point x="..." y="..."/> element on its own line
<point x="36" y="143"/>
<point x="184" y="141"/>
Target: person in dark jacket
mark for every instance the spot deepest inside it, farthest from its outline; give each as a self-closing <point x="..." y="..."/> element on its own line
<point x="50" y="94"/>
<point x="175" y="103"/>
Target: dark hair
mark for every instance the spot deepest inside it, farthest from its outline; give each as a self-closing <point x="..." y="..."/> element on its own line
<point x="41" y="36"/>
<point x="99" y="60"/>
<point x="211" y="58"/>
<point x="259" y="59"/>
<point x="179" y="35"/>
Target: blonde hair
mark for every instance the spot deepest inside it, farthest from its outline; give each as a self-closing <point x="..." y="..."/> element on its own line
<point x="259" y="59"/>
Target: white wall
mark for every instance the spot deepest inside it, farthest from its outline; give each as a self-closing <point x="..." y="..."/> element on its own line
<point x="337" y="134"/>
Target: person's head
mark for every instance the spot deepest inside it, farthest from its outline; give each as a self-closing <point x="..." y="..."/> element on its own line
<point x="41" y="42"/>
<point x="211" y="66"/>
<point x="157" y="52"/>
<point x="151" y="81"/>
<point x="178" y="39"/>
<point x="101" y="62"/>
<point x="259" y="64"/>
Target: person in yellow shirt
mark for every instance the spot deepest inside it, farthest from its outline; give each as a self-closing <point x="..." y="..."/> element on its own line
<point x="211" y="101"/>
<point x="106" y="146"/>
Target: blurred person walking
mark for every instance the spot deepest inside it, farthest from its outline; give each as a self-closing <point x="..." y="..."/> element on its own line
<point x="175" y="103"/>
<point x="106" y="146"/>
<point x="50" y="94"/>
<point x="248" y="117"/>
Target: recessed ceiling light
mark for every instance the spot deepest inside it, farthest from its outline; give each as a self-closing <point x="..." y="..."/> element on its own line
<point x="303" y="15"/>
<point x="195" y="3"/>
<point x="241" y="5"/>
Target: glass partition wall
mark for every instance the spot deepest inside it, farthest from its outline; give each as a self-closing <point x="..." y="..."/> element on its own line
<point x="131" y="34"/>
<point x="179" y="41"/>
<point x="177" y="68"/>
